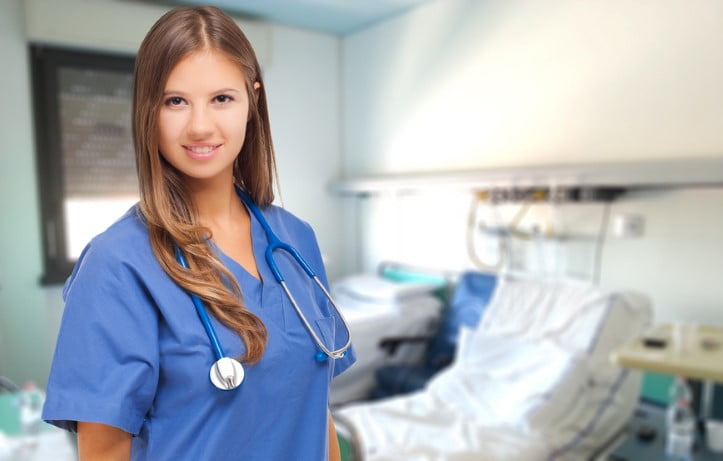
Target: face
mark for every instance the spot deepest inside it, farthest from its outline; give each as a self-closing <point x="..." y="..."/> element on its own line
<point x="203" y="116"/>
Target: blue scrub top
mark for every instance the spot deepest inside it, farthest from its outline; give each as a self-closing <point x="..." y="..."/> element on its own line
<point x="132" y="353"/>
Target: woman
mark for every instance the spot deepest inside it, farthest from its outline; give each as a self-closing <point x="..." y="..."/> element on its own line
<point x="131" y="367"/>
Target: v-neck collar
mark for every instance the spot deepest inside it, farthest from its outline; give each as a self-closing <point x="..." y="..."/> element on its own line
<point x="264" y="292"/>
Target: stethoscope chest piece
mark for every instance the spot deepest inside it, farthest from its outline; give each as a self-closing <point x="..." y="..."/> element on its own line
<point x="227" y="373"/>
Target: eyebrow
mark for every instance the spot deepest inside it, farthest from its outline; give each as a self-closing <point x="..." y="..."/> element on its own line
<point x="221" y="91"/>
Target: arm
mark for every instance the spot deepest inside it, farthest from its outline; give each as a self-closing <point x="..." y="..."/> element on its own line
<point x="103" y="443"/>
<point x="334" y="453"/>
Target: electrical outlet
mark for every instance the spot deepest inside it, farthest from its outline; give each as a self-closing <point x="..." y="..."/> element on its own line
<point x="628" y="225"/>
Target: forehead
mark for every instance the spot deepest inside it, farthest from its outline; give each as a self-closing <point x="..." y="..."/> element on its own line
<point x="205" y="68"/>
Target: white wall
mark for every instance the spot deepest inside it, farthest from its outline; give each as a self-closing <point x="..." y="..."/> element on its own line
<point x="457" y="85"/>
<point x="303" y="82"/>
<point x="460" y="83"/>
<point x="301" y="69"/>
<point x="679" y="262"/>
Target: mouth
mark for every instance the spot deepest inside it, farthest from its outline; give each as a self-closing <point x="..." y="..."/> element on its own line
<point x="201" y="152"/>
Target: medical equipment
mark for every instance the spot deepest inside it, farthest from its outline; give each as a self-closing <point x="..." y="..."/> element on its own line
<point x="227" y="373"/>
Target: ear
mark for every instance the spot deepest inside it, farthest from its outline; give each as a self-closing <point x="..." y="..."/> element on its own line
<point x="257" y="85"/>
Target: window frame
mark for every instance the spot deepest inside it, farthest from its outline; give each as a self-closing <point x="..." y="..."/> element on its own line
<point x="46" y="63"/>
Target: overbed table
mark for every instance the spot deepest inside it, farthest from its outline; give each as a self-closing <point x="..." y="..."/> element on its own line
<point x="701" y="357"/>
<point x="689" y="351"/>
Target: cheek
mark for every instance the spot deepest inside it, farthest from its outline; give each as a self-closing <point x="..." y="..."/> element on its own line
<point x="235" y="127"/>
<point x="167" y="131"/>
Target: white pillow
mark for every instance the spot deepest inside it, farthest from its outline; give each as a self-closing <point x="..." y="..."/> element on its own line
<point x="373" y="288"/>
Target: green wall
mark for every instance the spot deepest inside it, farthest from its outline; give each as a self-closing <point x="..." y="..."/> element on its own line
<point x="23" y="310"/>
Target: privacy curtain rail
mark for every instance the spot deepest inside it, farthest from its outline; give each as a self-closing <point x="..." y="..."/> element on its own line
<point x="693" y="172"/>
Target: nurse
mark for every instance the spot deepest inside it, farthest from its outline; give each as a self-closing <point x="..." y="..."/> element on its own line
<point x="131" y="367"/>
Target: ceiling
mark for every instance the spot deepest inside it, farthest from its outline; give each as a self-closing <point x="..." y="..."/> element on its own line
<point x="339" y="17"/>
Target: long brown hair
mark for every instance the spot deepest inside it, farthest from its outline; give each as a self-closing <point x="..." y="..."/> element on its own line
<point x="165" y="205"/>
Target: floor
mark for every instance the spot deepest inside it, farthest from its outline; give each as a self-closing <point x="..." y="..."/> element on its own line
<point x="49" y="444"/>
<point x="55" y="444"/>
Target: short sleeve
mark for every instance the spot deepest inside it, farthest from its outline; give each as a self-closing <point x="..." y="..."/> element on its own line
<point x="317" y="263"/>
<point x="105" y="366"/>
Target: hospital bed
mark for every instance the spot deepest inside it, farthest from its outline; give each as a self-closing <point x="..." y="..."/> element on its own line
<point x="472" y="291"/>
<point x="532" y="382"/>
<point x="376" y="308"/>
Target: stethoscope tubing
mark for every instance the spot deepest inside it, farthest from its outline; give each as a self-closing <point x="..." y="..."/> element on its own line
<point x="334" y="354"/>
<point x="274" y="243"/>
<point x="202" y="314"/>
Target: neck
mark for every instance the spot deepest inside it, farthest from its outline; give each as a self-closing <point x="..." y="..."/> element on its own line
<point x="216" y="203"/>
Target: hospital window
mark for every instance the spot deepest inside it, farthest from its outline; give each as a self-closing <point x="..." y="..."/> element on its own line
<point x="85" y="161"/>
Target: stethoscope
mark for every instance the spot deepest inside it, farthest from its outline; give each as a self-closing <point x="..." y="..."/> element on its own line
<point x="227" y="373"/>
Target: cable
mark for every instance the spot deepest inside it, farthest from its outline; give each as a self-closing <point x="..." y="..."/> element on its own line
<point x="472" y="228"/>
<point x="597" y="262"/>
<point x="513" y="226"/>
<point x="7" y="385"/>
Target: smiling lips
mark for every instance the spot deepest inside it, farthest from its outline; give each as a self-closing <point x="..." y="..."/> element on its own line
<point x="201" y="152"/>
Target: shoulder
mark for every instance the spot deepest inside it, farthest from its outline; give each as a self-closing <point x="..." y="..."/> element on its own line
<point x="122" y="247"/>
<point x="128" y="228"/>
<point x="125" y="239"/>
<point x="282" y="220"/>
<point x="295" y="231"/>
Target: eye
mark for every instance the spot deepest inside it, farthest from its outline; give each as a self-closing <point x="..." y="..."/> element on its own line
<point x="223" y="98"/>
<point x="174" y="101"/>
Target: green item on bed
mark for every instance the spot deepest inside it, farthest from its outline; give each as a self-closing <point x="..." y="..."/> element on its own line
<point x="347" y="452"/>
<point x="402" y="275"/>
<point x="10" y="414"/>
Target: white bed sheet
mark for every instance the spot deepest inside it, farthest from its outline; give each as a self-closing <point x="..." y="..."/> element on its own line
<point x="532" y="382"/>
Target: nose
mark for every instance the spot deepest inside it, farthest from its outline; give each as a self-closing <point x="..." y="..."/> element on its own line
<point x="200" y="124"/>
